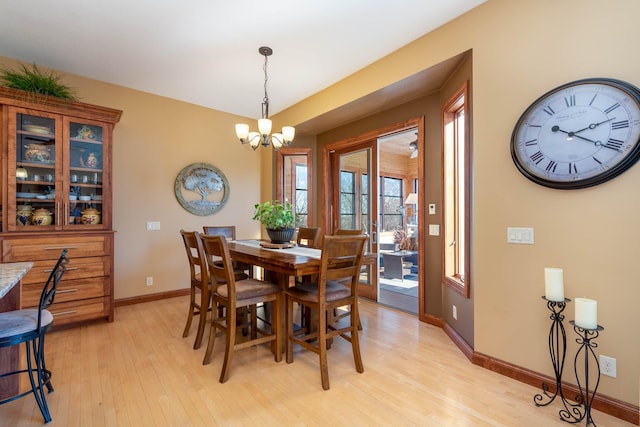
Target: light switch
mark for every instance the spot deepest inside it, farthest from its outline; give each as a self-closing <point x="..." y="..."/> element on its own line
<point x="520" y="235"/>
<point x="153" y="225"/>
<point x="434" y="229"/>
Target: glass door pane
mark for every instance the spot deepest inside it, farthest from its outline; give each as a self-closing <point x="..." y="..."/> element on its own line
<point x="35" y="156"/>
<point x="85" y="175"/>
<point x="355" y="208"/>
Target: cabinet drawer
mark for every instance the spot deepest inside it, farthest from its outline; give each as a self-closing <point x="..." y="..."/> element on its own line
<point x="68" y="290"/>
<point x="75" y="311"/>
<point x="14" y="250"/>
<point x="77" y="268"/>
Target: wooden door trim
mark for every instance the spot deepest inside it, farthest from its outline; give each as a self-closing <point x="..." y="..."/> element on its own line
<point x="328" y="189"/>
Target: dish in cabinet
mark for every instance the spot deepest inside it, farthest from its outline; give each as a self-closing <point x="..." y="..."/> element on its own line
<point x="41" y="130"/>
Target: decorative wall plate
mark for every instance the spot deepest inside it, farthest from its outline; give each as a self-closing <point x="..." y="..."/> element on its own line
<point x="202" y="189"/>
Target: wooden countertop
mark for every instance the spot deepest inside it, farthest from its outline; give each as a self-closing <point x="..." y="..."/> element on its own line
<point x="10" y="275"/>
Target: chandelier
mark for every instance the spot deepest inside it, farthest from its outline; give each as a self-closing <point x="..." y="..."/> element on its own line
<point x="262" y="137"/>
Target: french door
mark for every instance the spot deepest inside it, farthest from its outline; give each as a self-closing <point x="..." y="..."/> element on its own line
<point x="354" y="205"/>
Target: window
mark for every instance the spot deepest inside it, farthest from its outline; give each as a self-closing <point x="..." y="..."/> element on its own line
<point x="364" y="188"/>
<point x="456" y="193"/>
<point x="392" y="203"/>
<point x="294" y="182"/>
<point x="347" y="200"/>
<point x="301" y="201"/>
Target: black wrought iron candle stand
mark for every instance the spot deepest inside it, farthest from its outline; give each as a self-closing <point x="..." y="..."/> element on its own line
<point x="557" y="352"/>
<point x="585" y="340"/>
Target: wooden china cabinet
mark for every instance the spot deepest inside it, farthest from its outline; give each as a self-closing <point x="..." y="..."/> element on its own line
<point x="56" y="193"/>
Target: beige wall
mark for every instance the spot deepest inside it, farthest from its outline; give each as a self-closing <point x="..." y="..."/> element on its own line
<point x="521" y="50"/>
<point x="153" y="141"/>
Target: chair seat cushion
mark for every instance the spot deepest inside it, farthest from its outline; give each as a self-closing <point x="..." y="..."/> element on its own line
<point x="19" y="322"/>
<point x="249" y="288"/>
<point x="309" y="291"/>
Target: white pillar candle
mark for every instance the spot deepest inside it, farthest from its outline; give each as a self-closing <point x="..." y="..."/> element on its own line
<point x="553" y="284"/>
<point x="586" y="313"/>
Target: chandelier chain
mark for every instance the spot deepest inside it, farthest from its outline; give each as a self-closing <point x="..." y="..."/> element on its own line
<point x="265" y="100"/>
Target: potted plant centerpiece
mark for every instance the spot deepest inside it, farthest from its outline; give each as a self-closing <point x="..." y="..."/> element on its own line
<point x="277" y="218"/>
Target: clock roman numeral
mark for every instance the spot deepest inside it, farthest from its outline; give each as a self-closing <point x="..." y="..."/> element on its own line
<point x="613" y="107"/>
<point x="549" y="110"/>
<point x="615" y="144"/>
<point x="596" y="160"/>
<point x="530" y="143"/>
<point x="620" y="125"/>
<point x="593" y="99"/>
<point x="551" y="167"/>
<point x="537" y="157"/>
<point x="570" y="101"/>
<point x="573" y="168"/>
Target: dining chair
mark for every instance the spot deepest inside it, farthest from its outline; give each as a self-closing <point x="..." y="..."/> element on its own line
<point x="199" y="275"/>
<point x="341" y="260"/>
<point x="309" y="237"/>
<point x="231" y="294"/>
<point x="228" y="231"/>
<point x="200" y="282"/>
<point x="29" y="326"/>
<point x="346" y="232"/>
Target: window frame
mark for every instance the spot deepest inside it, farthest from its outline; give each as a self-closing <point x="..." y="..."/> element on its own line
<point x="281" y="176"/>
<point x="456" y="273"/>
<point x="401" y="196"/>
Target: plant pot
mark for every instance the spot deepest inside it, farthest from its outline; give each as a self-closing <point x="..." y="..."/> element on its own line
<point x="280" y="235"/>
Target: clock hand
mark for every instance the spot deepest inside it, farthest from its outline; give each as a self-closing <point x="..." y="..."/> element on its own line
<point x="594" y="125"/>
<point x="572" y="134"/>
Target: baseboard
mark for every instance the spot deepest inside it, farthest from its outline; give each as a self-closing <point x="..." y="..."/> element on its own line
<point x="466" y="349"/>
<point x="608" y="405"/>
<point x="151" y="297"/>
<point x="614" y="407"/>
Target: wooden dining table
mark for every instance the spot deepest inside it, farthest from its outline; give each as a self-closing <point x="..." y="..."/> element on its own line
<point x="280" y="264"/>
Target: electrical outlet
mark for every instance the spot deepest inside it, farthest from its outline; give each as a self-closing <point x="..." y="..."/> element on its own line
<point x="455" y="312"/>
<point x="608" y="366"/>
<point x="150" y="281"/>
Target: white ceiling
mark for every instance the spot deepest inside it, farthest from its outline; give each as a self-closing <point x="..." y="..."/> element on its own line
<point x="205" y="52"/>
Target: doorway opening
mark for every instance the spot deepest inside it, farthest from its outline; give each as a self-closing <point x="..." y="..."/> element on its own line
<point x="385" y="207"/>
<point x="398" y="232"/>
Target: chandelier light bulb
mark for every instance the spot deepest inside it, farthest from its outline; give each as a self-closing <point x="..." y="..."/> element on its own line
<point x="264" y="126"/>
<point x="242" y="132"/>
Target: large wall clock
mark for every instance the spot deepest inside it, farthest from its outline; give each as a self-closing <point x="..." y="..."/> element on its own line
<point x="579" y="134"/>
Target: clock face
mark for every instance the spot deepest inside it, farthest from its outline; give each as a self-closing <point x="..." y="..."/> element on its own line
<point x="579" y="134"/>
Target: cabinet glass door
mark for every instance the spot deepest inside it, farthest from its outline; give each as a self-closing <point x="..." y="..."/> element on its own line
<point x="85" y="177"/>
<point x="36" y="176"/>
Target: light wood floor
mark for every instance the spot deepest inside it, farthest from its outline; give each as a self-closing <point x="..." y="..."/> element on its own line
<point x="139" y="371"/>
